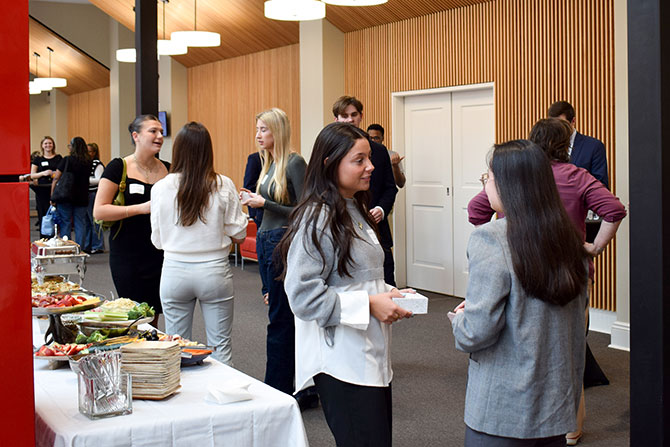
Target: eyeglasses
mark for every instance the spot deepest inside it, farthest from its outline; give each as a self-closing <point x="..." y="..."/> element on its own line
<point x="484" y="178"/>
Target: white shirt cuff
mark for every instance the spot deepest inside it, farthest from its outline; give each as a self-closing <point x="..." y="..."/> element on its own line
<point x="380" y="209"/>
<point x="355" y="309"/>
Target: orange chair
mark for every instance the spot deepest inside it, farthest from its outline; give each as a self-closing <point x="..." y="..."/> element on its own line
<point x="248" y="247"/>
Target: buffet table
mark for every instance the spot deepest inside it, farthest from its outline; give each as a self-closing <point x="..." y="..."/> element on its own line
<point x="270" y="418"/>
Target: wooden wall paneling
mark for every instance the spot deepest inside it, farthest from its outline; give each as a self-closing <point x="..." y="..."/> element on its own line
<point x="534" y="52"/>
<point x="88" y="117"/>
<point x="226" y="96"/>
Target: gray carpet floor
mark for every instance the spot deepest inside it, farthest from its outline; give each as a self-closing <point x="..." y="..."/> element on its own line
<point x="430" y="375"/>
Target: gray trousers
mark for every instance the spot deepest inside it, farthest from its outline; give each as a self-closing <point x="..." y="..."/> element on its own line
<point x="211" y="283"/>
<point x="475" y="438"/>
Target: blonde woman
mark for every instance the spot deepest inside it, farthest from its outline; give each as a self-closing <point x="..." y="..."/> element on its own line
<point x="279" y="188"/>
<point x="42" y="169"/>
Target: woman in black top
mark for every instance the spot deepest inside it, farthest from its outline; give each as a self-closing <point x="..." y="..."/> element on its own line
<point x="41" y="170"/>
<point x="73" y="209"/>
<point x="134" y="261"/>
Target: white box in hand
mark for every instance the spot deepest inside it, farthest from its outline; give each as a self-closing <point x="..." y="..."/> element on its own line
<point x="414" y="302"/>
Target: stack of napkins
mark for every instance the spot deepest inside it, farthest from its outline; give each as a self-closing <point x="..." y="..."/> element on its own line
<point x="154" y="367"/>
<point x="414" y="302"/>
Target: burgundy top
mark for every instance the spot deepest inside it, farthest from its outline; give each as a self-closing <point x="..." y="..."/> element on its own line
<point x="579" y="191"/>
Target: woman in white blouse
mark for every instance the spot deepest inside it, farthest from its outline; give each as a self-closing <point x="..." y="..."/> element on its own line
<point x="335" y="286"/>
<point x="195" y="216"/>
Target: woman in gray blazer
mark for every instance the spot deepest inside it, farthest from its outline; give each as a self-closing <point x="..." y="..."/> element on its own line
<point x="523" y="317"/>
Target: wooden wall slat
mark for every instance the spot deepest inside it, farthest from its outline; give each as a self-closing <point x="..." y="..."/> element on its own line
<point x="535" y="52"/>
<point x="89" y="117"/>
<point x="226" y="96"/>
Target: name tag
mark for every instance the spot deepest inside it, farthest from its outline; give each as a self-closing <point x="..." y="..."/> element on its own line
<point x="45" y="163"/>
<point x="135" y="188"/>
<point x="265" y="177"/>
<point x="373" y="236"/>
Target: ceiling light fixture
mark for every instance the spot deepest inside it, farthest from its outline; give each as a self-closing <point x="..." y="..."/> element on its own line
<point x="50" y="82"/>
<point x="167" y="47"/>
<point x="126" y="55"/>
<point x="295" y="10"/>
<point x="354" y="2"/>
<point x="197" y="38"/>
<point x="33" y="88"/>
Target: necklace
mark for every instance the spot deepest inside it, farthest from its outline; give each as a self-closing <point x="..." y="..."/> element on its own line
<point x="145" y="171"/>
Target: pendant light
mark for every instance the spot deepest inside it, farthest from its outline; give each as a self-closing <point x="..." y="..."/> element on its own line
<point x="295" y="10"/>
<point x="197" y="38"/>
<point x="42" y="83"/>
<point x="167" y="47"/>
<point x="33" y="88"/>
<point x="354" y="2"/>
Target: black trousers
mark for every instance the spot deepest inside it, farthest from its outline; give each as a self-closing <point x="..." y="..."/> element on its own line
<point x="358" y="416"/>
<point x="389" y="266"/>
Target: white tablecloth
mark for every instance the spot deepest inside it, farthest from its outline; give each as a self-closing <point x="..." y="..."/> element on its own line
<point x="271" y="418"/>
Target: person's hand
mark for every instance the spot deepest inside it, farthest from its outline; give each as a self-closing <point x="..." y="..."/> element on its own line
<point x="396" y="158"/>
<point x="266" y="299"/>
<point x="144" y="208"/>
<point x="47" y="173"/>
<point x="376" y="214"/>
<point x="407" y="291"/>
<point x="251" y="199"/>
<point x="592" y="250"/>
<point x="385" y="310"/>
<point x="460" y="307"/>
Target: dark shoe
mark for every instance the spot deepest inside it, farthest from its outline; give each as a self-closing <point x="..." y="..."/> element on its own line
<point x="307" y="399"/>
<point x="96" y="252"/>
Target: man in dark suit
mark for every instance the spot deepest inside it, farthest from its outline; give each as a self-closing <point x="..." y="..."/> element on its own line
<point x="348" y="109"/>
<point x="585" y="152"/>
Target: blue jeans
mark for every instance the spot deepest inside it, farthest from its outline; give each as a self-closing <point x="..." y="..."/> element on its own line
<point x="67" y="214"/>
<point x="280" y="366"/>
<point x="94" y="239"/>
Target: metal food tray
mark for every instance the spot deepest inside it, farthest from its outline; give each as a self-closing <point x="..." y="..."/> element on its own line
<point x="44" y="266"/>
<point x="41" y="249"/>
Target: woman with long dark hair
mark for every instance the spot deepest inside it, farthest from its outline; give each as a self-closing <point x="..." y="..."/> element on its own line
<point x="94" y="238"/>
<point x="579" y="192"/>
<point x="42" y="168"/>
<point x="73" y="209"/>
<point x="279" y="188"/>
<point x="133" y="260"/>
<point x="335" y="285"/>
<point x="195" y="217"/>
<point x="522" y="320"/>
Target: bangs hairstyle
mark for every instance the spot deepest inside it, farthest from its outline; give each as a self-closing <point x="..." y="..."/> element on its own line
<point x="193" y="158"/>
<point x="547" y="252"/>
<point x="277" y="121"/>
<point x="553" y="136"/>
<point x="321" y="194"/>
<point x="345" y="101"/>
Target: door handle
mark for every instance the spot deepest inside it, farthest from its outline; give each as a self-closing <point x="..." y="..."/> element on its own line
<point x="447" y="191"/>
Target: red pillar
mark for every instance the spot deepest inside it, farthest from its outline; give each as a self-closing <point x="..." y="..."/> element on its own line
<point x="17" y="424"/>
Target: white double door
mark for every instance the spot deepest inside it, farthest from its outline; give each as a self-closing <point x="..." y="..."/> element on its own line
<point x="447" y="139"/>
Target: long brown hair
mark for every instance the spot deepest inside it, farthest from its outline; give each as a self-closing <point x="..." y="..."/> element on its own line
<point x="547" y="252"/>
<point x="321" y="193"/>
<point x="193" y="158"/>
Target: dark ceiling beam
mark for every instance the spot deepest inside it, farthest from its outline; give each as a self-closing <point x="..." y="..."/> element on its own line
<point x="146" y="67"/>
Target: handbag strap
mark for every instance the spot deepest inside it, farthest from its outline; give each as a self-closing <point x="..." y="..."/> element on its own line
<point x="124" y="176"/>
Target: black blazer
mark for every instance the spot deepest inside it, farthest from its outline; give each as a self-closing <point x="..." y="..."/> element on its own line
<point x="251" y="174"/>
<point x="382" y="189"/>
